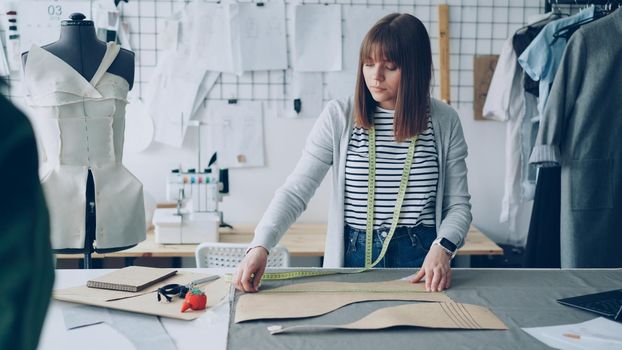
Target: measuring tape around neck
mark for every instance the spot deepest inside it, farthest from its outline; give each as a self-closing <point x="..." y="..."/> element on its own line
<point x="371" y="194"/>
<point x="370" y="216"/>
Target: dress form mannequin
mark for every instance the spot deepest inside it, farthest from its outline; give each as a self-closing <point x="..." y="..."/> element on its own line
<point x="79" y="47"/>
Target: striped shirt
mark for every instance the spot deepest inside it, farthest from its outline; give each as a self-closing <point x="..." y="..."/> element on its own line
<point x="419" y="200"/>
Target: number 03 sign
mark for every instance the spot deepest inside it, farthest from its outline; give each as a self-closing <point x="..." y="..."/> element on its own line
<point x="38" y="22"/>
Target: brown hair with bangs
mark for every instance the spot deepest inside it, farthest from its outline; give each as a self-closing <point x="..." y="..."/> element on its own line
<point x="403" y="40"/>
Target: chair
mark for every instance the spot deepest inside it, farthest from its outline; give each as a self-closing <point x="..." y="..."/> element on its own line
<point x="230" y="255"/>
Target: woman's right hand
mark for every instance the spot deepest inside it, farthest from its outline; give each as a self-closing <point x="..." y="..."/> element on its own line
<point x="251" y="269"/>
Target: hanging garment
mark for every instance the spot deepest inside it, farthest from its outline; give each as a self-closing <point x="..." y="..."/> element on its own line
<point x="523" y="38"/>
<point x="507" y="101"/>
<point x="541" y="58"/>
<point x="542" y="249"/>
<point x="581" y="131"/>
<point x="82" y="124"/>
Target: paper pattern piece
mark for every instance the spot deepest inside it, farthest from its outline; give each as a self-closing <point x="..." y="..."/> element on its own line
<point x="429" y="315"/>
<point x="598" y="333"/>
<point x="237" y="133"/>
<point x="317" y="38"/>
<point x="146" y="302"/>
<point x="358" y="20"/>
<point x="175" y="92"/>
<point x="318" y="298"/>
<point x="262" y="36"/>
<point x="398" y="286"/>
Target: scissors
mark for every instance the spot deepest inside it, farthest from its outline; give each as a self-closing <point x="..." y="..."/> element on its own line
<point x="174" y="289"/>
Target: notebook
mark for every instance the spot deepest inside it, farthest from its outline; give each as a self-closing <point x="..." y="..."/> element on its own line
<point x="131" y="279"/>
<point x="608" y="304"/>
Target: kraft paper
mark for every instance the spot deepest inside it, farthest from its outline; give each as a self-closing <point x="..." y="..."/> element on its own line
<point x="318" y="298"/>
<point x="146" y="302"/>
<point x="428" y="315"/>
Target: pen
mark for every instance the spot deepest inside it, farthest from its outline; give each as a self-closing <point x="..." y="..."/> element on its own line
<point x="202" y="281"/>
<point x="596" y="338"/>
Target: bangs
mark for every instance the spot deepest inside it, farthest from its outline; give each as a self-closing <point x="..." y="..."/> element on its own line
<point x="381" y="43"/>
<point x="402" y="40"/>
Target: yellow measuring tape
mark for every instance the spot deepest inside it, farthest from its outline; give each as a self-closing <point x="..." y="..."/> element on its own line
<point x="371" y="181"/>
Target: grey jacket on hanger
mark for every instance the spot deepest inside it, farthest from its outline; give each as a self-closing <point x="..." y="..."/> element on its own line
<point x="581" y="130"/>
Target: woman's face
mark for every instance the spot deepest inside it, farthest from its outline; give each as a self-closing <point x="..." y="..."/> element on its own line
<point x="382" y="78"/>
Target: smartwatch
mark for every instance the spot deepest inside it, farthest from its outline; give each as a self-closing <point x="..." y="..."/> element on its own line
<point x="448" y="246"/>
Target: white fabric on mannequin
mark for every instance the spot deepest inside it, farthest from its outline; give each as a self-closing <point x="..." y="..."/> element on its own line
<point x="82" y="127"/>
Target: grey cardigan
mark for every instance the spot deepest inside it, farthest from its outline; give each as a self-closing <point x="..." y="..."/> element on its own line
<point x="326" y="146"/>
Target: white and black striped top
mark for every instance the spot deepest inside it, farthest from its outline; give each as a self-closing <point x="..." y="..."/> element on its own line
<point x="418" y="205"/>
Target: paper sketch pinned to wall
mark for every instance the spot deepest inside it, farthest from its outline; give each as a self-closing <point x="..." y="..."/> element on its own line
<point x="306" y="99"/>
<point x="213" y="41"/>
<point x="262" y="36"/>
<point x="179" y="84"/>
<point x="236" y="133"/>
<point x="175" y="91"/>
<point x="39" y="21"/>
<point x="358" y="20"/>
<point x="317" y="38"/>
<point x="106" y="15"/>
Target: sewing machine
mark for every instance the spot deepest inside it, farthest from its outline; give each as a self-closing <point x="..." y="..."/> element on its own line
<point x="196" y="218"/>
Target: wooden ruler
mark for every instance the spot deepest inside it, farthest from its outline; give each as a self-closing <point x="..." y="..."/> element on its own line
<point x="443" y="36"/>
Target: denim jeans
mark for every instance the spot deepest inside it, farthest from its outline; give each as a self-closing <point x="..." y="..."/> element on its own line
<point x="407" y="248"/>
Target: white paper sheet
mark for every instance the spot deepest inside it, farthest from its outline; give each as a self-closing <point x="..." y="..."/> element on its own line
<point x="106" y="15"/>
<point x="173" y="95"/>
<point x="262" y="36"/>
<point x="236" y="133"/>
<point x="307" y="87"/>
<point x="211" y="36"/>
<point x="39" y="21"/>
<point x="169" y="36"/>
<point x="358" y="21"/>
<point x="599" y="333"/>
<point x="317" y="42"/>
<point x="209" y="79"/>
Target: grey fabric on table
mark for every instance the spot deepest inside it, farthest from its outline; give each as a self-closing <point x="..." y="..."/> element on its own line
<point x="78" y="315"/>
<point x="144" y="331"/>
<point x="520" y="298"/>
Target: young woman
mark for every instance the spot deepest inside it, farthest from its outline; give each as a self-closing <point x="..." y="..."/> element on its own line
<point x="395" y="153"/>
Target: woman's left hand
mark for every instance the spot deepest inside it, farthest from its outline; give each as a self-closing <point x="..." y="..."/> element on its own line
<point x="437" y="270"/>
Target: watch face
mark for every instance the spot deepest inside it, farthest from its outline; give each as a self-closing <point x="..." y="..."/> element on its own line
<point x="448" y="244"/>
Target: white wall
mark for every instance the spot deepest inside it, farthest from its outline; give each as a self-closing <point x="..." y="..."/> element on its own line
<point x="252" y="189"/>
<point x="476" y="27"/>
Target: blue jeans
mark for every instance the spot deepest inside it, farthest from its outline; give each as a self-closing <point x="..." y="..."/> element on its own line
<point x="407" y="248"/>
